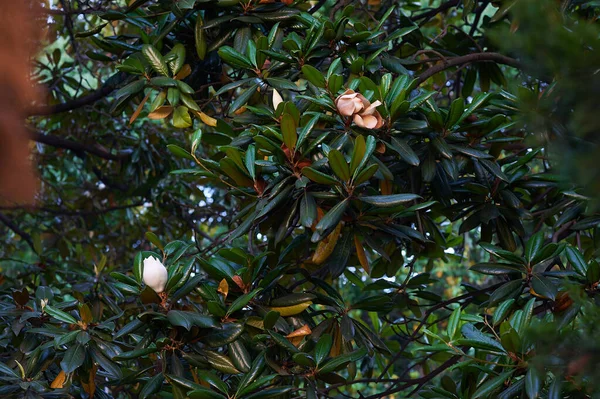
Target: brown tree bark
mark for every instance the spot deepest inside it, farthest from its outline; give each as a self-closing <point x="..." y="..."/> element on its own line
<point x="18" y="37"/>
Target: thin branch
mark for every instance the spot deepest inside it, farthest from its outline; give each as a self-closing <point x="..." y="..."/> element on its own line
<point x="467" y="59"/>
<point x="72" y="12"/>
<point x="59" y="142"/>
<point x="11" y="225"/>
<point x="317" y="6"/>
<point x="66" y="212"/>
<point x="109" y="86"/>
<point x="435" y="11"/>
<point x="467" y="296"/>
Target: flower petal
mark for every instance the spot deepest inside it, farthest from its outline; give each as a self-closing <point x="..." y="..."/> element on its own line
<point x="366" y="121"/>
<point x="345" y="107"/>
<point x="371" y="109"/>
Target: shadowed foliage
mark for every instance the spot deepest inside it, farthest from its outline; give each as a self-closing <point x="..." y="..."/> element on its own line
<point x="307" y="199"/>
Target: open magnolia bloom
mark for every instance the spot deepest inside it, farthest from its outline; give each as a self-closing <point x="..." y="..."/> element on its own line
<point x="155" y="275"/>
<point x="355" y="104"/>
<point x="350" y="103"/>
<point x="369" y="117"/>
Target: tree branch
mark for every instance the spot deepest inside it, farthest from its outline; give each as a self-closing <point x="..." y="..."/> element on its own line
<point x="9" y="223"/>
<point x="109" y="86"/>
<point x="59" y="142"/>
<point x="467" y="59"/>
<point x="435" y="11"/>
<point x="65" y="212"/>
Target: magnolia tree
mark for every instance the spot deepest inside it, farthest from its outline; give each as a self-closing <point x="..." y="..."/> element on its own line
<point x="262" y="199"/>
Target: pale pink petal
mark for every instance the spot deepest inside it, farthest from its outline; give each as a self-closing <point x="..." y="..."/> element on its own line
<point x="366" y="121"/>
<point x="371" y="109"/>
<point x="379" y="120"/>
<point x="364" y="101"/>
<point x="358" y="105"/>
<point x="345" y="107"/>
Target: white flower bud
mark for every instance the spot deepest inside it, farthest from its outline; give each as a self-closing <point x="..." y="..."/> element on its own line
<point x="277" y="99"/>
<point x="155" y="274"/>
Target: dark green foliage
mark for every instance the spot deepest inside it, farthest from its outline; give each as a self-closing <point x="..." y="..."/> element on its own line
<point x="427" y="243"/>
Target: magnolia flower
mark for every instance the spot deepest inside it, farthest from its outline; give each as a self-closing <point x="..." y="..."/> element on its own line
<point x="363" y="112"/>
<point x="277" y="99"/>
<point x="369" y="118"/>
<point x="155" y="274"/>
<point x="349" y="103"/>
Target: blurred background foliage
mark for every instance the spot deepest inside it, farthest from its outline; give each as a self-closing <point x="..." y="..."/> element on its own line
<point x="449" y="253"/>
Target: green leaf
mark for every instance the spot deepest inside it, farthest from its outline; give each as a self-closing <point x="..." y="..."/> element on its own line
<point x="313" y="75"/>
<point x="132" y="88"/>
<point x="180" y="152"/>
<point x="576" y="260"/>
<point x="173" y="96"/>
<point x="456" y="110"/>
<point x="155" y="59"/>
<point x="323" y="347"/>
<point x="453" y="323"/>
<point x="502" y="311"/>
<point x="189" y="102"/>
<point x="282" y="196"/>
<point x="555" y="390"/>
<point x="242" y="99"/>
<point x="4" y="369"/>
<point x="366" y="174"/>
<point x="73" y="358"/>
<point x="405" y="151"/>
<point x="188" y="319"/>
<point x="318" y="177"/>
<point x="486" y="389"/>
<point x="304" y="360"/>
<point x="242" y="301"/>
<point x="177" y="58"/>
<point x="470" y="332"/>
<point x="288" y="129"/>
<point x="532" y="383"/>
<point x="479" y="100"/>
<point x="496" y="268"/>
<point x="136" y="353"/>
<point x="256" y="369"/>
<point x="220" y="362"/>
<point x="200" y="37"/>
<point x="60" y="315"/>
<point x="332" y="218"/>
<point x="370" y="145"/>
<point x="204" y="393"/>
<point x="533" y="246"/>
<point x="150" y="236"/>
<point x="340" y="361"/>
<point x="240" y="357"/>
<point x="282" y="84"/>
<point x="307" y="129"/>
<point x="339" y="165"/>
<point x="389" y="201"/>
<point x="249" y="161"/>
<point x="543" y="286"/>
<point x="270" y="393"/>
<point x="152" y="386"/>
<point x="234" y="58"/>
<point x="181" y="117"/>
<point x="228" y="333"/>
<point x="358" y="153"/>
<point x="283" y="342"/>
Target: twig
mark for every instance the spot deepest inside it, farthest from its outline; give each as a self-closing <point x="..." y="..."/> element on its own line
<point x="108" y="87"/>
<point x="59" y="142"/>
<point x="435" y="11"/>
<point x="66" y="212"/>
<point x="467" y="59"/>
<point x="11" y="225"/>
